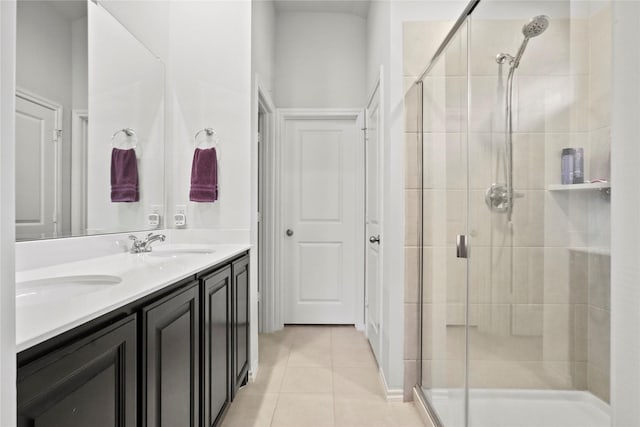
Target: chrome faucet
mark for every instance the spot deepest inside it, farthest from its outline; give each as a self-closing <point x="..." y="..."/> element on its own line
<point x="141" y="246"/>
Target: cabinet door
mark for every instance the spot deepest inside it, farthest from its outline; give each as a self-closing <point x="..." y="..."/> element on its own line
<point x="172" y="360"/>
<point x="217" y="344"/>
<point x="240" y="328"/>
<point x="89" y="383"/>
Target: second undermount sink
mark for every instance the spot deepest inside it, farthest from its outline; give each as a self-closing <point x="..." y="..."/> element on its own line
<point x="178" y="250"/>
<point x="53" y="289"/>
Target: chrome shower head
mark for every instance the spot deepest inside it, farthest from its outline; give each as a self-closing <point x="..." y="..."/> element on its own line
<point x="536" y="26"/>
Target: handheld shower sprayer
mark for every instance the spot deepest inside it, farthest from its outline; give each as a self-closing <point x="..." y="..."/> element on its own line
<point x="500" y="197"/>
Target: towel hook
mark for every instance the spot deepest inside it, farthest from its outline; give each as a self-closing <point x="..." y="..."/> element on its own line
<point x="209" y="132"/>
<point x="128" y="132"/>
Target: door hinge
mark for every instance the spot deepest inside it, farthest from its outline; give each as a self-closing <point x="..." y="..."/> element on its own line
<point x="57" y="135"/>
<point x="258" y="137"/>
<point x="259" y="297"/>
<point x="259" y="217"/>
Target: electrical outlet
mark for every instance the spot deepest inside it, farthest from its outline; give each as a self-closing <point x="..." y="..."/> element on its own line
<point x="180" y="217"/>
<point x="154" y="216"/>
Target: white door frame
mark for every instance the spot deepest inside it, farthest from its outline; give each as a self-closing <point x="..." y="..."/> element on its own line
<point x="283" y="115"/>
<point x="79" y="142"/>
<point x="58" y="112"/>
<point x="265" y="241"/>
<point x="378" y="87"/>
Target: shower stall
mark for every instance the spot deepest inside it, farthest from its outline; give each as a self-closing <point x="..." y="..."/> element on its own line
<point x="513" y="266"/>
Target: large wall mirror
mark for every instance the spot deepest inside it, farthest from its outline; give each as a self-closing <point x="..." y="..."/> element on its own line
<point x="89" y="123"/>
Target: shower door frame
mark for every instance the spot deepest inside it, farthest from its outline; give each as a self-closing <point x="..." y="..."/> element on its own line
<point x="418" y="391"/>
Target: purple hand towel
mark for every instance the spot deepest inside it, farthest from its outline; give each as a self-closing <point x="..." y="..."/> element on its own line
<point x="124" y="176"/>
<point x="204" y="176"/>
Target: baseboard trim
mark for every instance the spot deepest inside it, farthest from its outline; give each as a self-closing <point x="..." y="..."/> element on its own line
<point x="392" y="394"/>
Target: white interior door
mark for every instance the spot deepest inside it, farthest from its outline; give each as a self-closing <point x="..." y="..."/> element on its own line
<point x="320" y="223"/>
<point x="36" y="175"/>
<point x="373" y="265"/>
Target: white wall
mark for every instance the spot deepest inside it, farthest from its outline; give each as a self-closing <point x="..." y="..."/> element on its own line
<point x="126" y="90"/>
<point x="7" y="214"/>
<point x="625" y="205"/>
<point x="147" y="20"/>
<point x="263" y="33"/>
<point x="80" y="64"/>
<point x="320" y="60"/>
<point x="209" y="85"/>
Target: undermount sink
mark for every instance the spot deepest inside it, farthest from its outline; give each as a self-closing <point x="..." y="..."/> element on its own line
<point x="54" y="289"/>
<point x="174" y="251"/>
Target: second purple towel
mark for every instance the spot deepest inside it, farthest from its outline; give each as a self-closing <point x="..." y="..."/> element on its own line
<point x="204" y="176"/>
<point x="124" y="176"/>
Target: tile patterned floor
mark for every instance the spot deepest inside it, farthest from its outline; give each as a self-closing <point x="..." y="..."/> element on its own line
<point x="317" y="377"/>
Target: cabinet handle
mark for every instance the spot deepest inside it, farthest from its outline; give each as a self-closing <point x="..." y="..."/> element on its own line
<point x="374" y="239"/>
<point x="289" y="232"/>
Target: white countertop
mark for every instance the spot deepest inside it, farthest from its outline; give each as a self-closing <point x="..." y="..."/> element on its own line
<point x="141" y="275"/>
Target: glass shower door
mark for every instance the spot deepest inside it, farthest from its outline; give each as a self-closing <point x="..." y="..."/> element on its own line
<point x="444" y="193"/>
<point x="538" y="340"/>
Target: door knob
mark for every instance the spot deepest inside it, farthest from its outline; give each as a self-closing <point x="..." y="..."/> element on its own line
<point x="289" y="232"/>
<point x="375" y="239"/>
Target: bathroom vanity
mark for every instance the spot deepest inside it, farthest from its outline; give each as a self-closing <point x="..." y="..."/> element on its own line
<point x="172" y="351"/>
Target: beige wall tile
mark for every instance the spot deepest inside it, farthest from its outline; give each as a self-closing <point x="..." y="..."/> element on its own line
<point x="410" y="379"/>
<point x="435" y="161"/>
<point x="599" y="338"/>
<point x="599" y="382"/>
<point x="600" y="281"/>
<point x="527" y="319"/>
<point x="580" y="376"/>
<point x="421" y="40"/>
<point x="556" y="276"/>
<point x="558" y="332"/>
<point x="411" y="212"/>
<point x="411" y="161"/>
<point x="580" y="337"/>
<point x="528" y="161"/>
<point x="599" y="153"/>
<point x="410" y="331"/>
<point x="528" y="275"/>
<point x="411" y="269"/>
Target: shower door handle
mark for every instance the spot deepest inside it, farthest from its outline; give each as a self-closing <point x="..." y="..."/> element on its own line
<point x="462" y="249"/>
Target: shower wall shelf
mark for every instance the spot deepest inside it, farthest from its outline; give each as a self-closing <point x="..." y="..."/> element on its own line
<point x="574" y="187"/>
<point x="592" y="250"/>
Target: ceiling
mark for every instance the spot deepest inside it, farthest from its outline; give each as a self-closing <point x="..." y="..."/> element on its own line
<point x="354" y="7"/>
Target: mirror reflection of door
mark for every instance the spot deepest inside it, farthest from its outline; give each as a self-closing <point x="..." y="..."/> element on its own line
<point x="52" y="81"/>
<point x="37" y="142"/>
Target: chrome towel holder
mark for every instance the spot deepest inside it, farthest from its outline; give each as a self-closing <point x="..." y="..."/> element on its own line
<point x="129" y="133"/>
<point x="209" y="132"/>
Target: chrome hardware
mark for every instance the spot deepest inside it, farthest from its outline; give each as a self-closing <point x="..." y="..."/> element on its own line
<point x="374" y="239"/>
<point x="497" y="197"/>
<point x="289" y="232"/>
<point x="141" y="246"/>
<point x="128" y="132"/>
<point x="462" y="249"/>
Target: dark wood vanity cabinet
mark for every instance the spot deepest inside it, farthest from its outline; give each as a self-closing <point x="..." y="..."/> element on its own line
<point x="216" y="339"/>
<point x="91" y="382"/>
<point x="173" y="359"/>
<point x="240" y="332"/>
